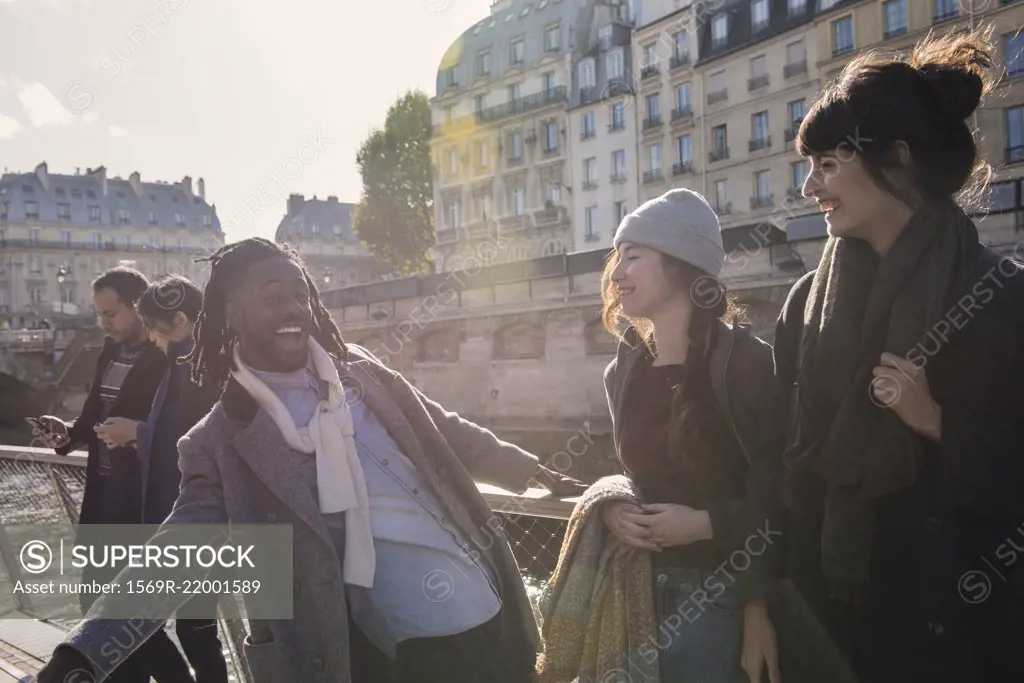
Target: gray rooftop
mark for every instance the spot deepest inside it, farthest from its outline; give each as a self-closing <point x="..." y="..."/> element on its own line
<point x="326" y="219"/>
<point x="149" y="204"/>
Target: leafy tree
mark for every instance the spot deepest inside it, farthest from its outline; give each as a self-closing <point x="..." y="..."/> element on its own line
<point x="395" y="214"/>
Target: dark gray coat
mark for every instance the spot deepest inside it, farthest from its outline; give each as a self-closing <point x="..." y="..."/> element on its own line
<point x="233" y="469"/>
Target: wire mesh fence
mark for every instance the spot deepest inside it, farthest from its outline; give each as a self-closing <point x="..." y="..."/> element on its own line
<point x="38" y="487"/>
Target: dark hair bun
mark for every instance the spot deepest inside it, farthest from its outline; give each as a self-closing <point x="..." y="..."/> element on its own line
<point x="956" y="66"/>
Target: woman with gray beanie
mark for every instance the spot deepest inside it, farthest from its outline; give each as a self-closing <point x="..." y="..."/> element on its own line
<point x="689" y="395"/>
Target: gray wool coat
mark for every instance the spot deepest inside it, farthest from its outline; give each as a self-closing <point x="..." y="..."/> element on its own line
<point x="233" y="470"/>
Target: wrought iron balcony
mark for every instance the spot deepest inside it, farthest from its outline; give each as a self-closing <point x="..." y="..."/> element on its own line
<point x="652" y="122"/>
<point x="682" y="113"/>
<point x="718" y="96"/>
<point x="679" y="60"/>
<point x="682" y="168"/>
<point x="648" y="71"/>
<point x="652" y="176"/>
<point x="718" y="154"/>
<point x="794" y="69"/>
<point x="757" y="82"/>
<point x="760" y="143"/>
<point x="761" y="201"/>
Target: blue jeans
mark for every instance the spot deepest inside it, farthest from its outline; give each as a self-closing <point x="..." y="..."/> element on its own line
<point x="699" y="633"/>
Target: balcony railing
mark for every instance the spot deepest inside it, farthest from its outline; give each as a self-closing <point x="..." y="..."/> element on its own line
<point x="679" y="60"/>
<point x="760" y="143"/>
<point x="893" y="32"/>
<point x="652" y="176"/>
<point x="718" y="96"/>
<point x="682" y="168"/>
<point x="759" y="25"/>
<point x="520" y="105"/>
<point x="649" y="71"/>
<point x="723" y="209"/>
<point x="757" y="82"/>
<point x="682" y="113"/>
<point x="513" y="162"/>
<point x="617" y="178"/>
<point x="587" y="133"/>
<point x="760" y="202"/>
<point x="447" y="235"/>
<point x="718" y="154"/>
<point x="841" y="50"/>
<point x="588" y="94"/>
<point x="652" y="122"/>
<point x="617" y="87"/>
<point x="794" y="69"/>
<point x="617" y="125"/>
<point x="589" y="185"/>
<point x="103" y="246"/>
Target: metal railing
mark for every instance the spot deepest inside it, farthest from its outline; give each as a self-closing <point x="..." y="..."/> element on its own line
<point x="39" y="487"/>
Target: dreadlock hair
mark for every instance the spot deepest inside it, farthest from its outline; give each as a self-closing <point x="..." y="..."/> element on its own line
<point x="211" y="357"/>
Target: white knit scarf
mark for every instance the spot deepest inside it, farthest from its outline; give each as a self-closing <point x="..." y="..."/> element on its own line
<point x="339" y="475"/>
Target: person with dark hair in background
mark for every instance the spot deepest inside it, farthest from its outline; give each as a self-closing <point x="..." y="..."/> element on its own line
<point x="376" y="480"/>
<point x="128" y="372"/>
<point x="904" y="354"/>
<point x="169" y="308"/>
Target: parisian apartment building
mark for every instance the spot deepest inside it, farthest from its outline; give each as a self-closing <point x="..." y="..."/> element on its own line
<point x="58" y="232"/>
<point x="321" y="231"/>
<point x="554" y="118"/>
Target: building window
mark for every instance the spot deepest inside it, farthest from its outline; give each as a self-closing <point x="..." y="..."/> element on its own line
<point x="590" y="223"/>
<point x="654" y="157"/>
<point x="126" y="243"/>
<point x="654" y="108"/>
<point x="650" y="59"/>
<point x="722" y="196"/>
<point x="1013" y="49"/>
<point x="95" y="214"/>
<point x="681" y="45"/>
<point x="589" y="172"/>
<point x="33" y="236"/>
<point x="618" y="115"/>
<point x="97" y="266"/>
<point x="684" y="150"/>
<point x="555" y="192"/>
<point x="796" y="59"/>
<point x="758" y="66"/>
<point x="31" y="211"/>
<point x="97" y="240"/>
<point x="35" y="295"/>
<point x="720" y="141"/>
<point x="604" y="37"/>
<point x="759" y="130"/>
<point x="758" y="15"/>
<point x="451" y="77"/>
<point x="3" y="211"/>
<point x="441" y="346"/>
<point x="515" y="52"/>
<point x="589" y="125"/>
<point x="717" y="91"/>
<point x="894" y="14"/>
<point x="207" y="221"/>
<point x="586" y="73"/>
<point x="719" y="30"/>
<point x="797" y="111"/>
<point x="615" y="64"/>
<point x="447" y="110"/>
<point x="481" y="153"/>
<point x="842" y="36"/>
<point x="153" y="220"/>
<point x="179" y="220"/>
<point x="65" y="238"/>
<point x="799" y="171"/>
<point x="515" y="91"/>
<point x="452" y="211"/>
<point x="1015" y="134"/>
<point x="683" y="97"/>
<point x="34" y="265"/>
<point x="483" y="63"/>
<point x="551" y="41"/>
<point x="516" y="146"/>
<point x="453" y="160"/>
<point x="797" y="7"/>
<point x="946" y="9"/>
<point x="479" y="103"/>
<point x="63" y="212"/>
<point x="762" y="187"/>
<point x="620" y="211"/>
<point x="551" y="136"/>
<point x="519" y="201"/>
<point x="619" y="164"/>
<point x="549" y="83"/>
<point x="123" y="217"/>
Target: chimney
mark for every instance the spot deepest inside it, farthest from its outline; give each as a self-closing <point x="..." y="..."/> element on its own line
<point x="295" y="202"/>
<point x="202" y="189"/>
<point x="135" y="180"/>
<point x="186" y="186"/>
<point x="42" y="172"/>
<point x="332" y="199"/>
<point x="100" y="173"/>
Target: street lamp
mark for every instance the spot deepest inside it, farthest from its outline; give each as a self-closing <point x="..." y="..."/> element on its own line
<point x="62" y="274"/>
<point x="327" y="276"/>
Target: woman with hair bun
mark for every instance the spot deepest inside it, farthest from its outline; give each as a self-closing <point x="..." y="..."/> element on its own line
<point x="903" y="355"/>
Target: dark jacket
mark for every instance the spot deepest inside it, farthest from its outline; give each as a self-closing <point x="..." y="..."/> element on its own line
<point x="115" y="499"/>
<point x="946" y="594"/>
<point x="742" y="382"/>
<point x="178" y="405"/>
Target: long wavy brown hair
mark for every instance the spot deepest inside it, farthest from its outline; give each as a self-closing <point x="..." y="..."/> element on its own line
<point x="696" y="422"/>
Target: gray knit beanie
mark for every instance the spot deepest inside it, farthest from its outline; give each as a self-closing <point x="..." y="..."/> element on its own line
<point x="679" y="223"/>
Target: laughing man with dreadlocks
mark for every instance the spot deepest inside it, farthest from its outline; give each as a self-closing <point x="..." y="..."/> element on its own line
<point x="392" y="579"/>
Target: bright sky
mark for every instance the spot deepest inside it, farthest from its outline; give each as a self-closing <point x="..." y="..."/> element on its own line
<point x="225" y="90"/>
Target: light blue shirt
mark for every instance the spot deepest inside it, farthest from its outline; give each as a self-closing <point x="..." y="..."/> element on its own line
<point x="426" y="581"/>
